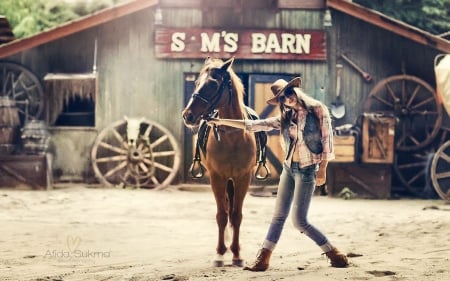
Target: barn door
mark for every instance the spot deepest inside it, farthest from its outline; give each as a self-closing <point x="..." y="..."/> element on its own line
<point x="258" y="92"/>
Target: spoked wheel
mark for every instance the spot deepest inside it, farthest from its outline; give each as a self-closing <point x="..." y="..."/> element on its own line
<point x="21" y="85"/>
<point x="440" y="171"/>
<point x="413" y="167"/>
<point x="149" y="159"/>
<point x="414" y="103"/>
<point x="410" y="168"/>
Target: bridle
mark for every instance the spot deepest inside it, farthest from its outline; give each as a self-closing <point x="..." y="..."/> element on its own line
<point x="212" y="104"/>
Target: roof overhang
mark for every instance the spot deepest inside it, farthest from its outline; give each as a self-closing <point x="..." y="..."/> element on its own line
<point x="74" y="26"/>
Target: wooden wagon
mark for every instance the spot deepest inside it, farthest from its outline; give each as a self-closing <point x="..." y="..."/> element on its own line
<point x="422" y="139"/>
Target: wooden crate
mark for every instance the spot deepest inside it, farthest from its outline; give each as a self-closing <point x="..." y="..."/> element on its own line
<point x="378" y="139"/>
<point x="31" y="171"/>
<point x="372" y="181"/>
<point x="344" y="148"/>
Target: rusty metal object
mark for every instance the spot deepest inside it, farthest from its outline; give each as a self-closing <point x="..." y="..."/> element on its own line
<point x="367" y="77"/>
<point x="136" y="153"/>
<point x="415" y="105"/>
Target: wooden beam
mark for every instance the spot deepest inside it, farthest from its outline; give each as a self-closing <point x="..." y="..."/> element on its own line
<point x="72" y="27"/>
<point x="304" y="4"/>
<point x="390" y="24"/>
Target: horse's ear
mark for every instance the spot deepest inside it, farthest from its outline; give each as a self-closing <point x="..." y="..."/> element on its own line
<point x="227" y="65"/>
<point x="207" y="60"/>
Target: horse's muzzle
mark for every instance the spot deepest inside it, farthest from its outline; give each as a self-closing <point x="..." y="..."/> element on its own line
<point x="190" y="119"/>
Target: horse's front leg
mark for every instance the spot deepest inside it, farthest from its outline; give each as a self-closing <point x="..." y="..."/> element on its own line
<point x="218" y="185"/>
<point x="241" y="186"/>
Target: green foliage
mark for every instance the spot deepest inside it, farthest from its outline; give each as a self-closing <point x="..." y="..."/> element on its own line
<point x="430" y="15"/>
<point x="28" y="17"/>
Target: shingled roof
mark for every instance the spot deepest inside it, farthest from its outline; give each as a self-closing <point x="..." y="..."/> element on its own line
<point x="103" y="16"/>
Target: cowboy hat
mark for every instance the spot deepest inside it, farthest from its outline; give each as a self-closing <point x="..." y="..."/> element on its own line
<point x="278" y="87"/>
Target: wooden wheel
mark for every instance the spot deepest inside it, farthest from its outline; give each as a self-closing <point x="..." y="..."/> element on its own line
<point x="24" y="87"/>
<point x="149" y="159"/>
<point x="410" y="168"/>
<point x="413" y="168"/>
<point x="440" y="171"/>
<point x="414" y="103"/>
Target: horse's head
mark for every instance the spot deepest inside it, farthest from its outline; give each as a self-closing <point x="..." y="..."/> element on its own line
<point x="213" y="81"/>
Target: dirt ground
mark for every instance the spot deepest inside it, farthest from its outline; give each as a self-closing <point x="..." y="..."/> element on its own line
<point x="79" y="232"/>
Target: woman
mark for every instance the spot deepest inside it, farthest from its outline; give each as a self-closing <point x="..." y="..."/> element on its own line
<point x="304" y="166"/>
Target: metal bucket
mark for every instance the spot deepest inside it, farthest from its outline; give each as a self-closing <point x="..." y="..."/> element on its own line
<point x="9" y="125"/>
<point x="35" y="137"/>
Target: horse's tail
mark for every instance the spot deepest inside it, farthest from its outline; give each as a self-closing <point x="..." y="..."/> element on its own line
<point x="230" y="192"/>
<point x="230" y="197"/>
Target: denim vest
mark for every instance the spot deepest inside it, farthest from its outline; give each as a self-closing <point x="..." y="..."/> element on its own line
<point x="312" y="135"/>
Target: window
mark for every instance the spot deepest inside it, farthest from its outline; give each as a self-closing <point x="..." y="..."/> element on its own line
<point x="70" y="99"/>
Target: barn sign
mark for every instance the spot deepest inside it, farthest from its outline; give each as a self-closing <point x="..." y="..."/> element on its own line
<point x="179" y="43"/>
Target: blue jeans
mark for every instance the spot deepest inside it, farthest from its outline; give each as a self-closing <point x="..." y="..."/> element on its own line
<point x="296" y="185"/>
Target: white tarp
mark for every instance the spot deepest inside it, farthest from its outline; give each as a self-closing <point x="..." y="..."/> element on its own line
<point x="442" y="71"/>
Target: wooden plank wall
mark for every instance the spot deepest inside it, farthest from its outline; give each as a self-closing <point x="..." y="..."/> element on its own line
<point x="380" y="53"/>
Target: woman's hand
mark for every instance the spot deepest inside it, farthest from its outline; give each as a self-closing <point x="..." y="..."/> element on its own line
<point x="321" y="177"/>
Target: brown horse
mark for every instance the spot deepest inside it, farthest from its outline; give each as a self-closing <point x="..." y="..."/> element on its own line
<point x="230" y="153"/>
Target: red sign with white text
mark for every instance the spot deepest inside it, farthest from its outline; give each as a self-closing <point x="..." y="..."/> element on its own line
<point x="178" y="43"/>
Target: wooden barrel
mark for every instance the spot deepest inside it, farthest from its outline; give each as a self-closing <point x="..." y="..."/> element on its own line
<point x="9" y="125"/>
<point x="35" y="137"/>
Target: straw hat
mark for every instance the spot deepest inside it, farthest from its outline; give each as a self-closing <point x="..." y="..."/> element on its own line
<point x="279" y="86"/>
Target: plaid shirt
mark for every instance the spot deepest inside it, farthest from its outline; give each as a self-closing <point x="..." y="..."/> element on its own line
<point x="294" y="135"/>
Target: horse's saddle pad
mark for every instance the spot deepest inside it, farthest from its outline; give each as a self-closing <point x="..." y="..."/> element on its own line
<point x="261" y="137"/>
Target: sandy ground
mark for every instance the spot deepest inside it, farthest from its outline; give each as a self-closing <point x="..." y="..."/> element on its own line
<point x="85" y="233"/>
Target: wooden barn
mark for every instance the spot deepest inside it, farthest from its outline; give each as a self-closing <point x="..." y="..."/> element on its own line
<point x="94" y="78"/>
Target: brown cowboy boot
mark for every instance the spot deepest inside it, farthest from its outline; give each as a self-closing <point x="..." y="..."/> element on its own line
<point x="262" y="261"/>
<point x="337" y="259"/>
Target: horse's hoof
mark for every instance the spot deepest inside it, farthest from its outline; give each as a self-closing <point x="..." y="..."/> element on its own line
<point x="218" y="263"/>
<point x="238" y="262"/>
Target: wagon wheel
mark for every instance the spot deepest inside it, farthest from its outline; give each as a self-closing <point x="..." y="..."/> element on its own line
<point x="411" y="166"/>
<point x="21" y="85"/>
<point x="151" y="162"/>
<point x="440" y="171"/>
<point x="415" y="105"/>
